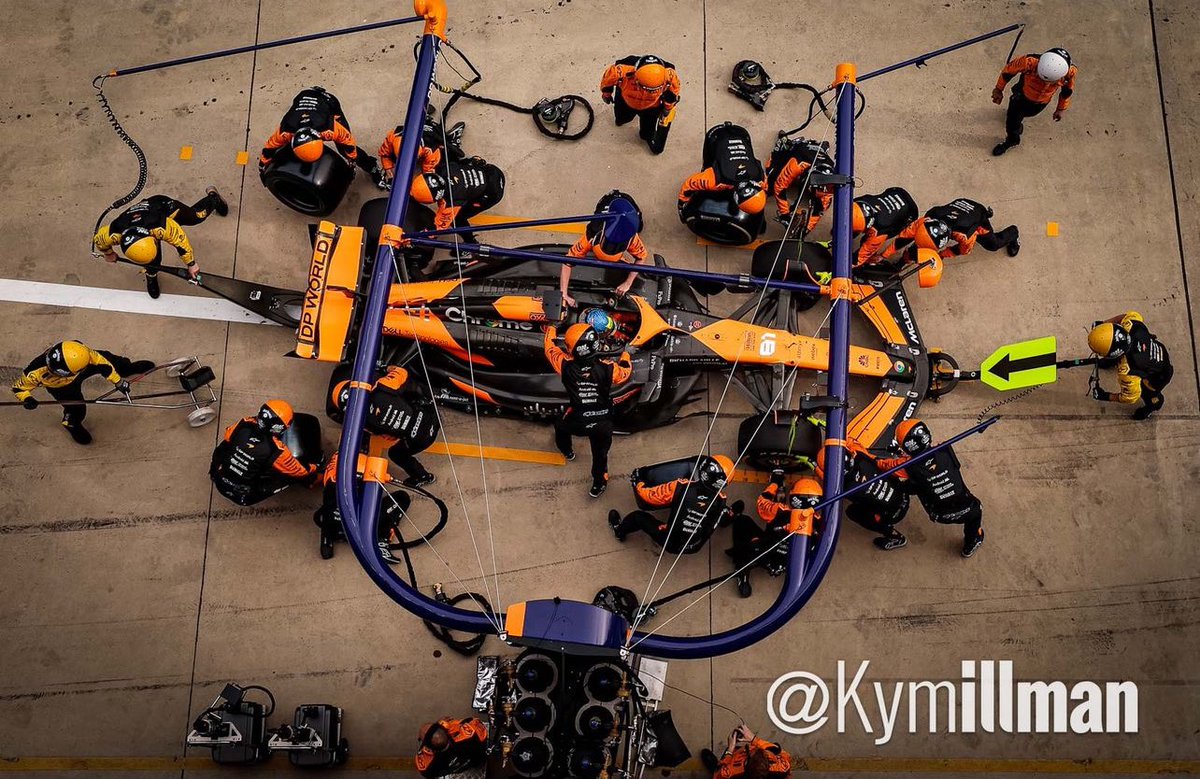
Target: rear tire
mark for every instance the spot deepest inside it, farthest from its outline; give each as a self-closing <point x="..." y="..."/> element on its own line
<point x="780" y="440"/>
<point x="312" y="188"/>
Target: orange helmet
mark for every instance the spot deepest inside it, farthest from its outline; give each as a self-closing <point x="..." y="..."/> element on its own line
<point x="932" y="233"/>
<point x="913" y="436"/>
<point x="307" y="144"/>
<point x="428" y="188"/>
<point x="750" y="196"/>
<point x="858" y="220"/>
<point x="715" y="471"/>
<point x="340" y="395"/>
<point x="929" y="274"/>
<point x="821" y="458"/>
<point x="806" y="493"/>
<point x="581" y="340"/>
<point x="650" y="74"/>
<point x="275" y="416"/>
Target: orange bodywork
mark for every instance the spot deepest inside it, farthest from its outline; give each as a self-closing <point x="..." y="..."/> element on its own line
<point x="481" y="394"/>
<point x="329" y="300"/>
<point x="749" y="344"/>
<point x="520" y="308"/>
<point x="421" y="325"/>
<point x="875" y="420"/>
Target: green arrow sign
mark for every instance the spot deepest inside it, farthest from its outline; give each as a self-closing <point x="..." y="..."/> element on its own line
<point x="1020" y="365"/>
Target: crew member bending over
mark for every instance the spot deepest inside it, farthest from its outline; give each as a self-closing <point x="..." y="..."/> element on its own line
<point x="790" y="164"/>
<point x="694" y="508"/>
<point x="63" y="368"/>
<point x="1143" y="365"/>
<point x="589" y="381"/>
<point x="879" y="507"/>
<point x="314" y="118"/>
<point x="748" y="757"/>
<point x="782" y="515"/>
<point x="472" y="186"/>
<point x="434" y="142"/>
<point x="891" y="228"/>
<point x="328" y="516"/>
<point x="646" y="87"/>
<point x="729" y="166"/>
<point x="253" y="463"/>
<point x="970" y="222"/>
<point x="140" y="229"/>
<point x="609" y="240"/>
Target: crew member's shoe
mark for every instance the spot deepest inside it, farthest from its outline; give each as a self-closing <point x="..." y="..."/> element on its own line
<point x="709" y="761"/>
<point x="971" y="545"/>
<point x="455" y="135"/>
<point x="1142" y="413"/>
<point x="1002" y="147"/>
<point x="889" y="542"/>
<point x="152" y="286"/>
<point x="420" y="479"/>
<point x="218" y="203"/>
<point x="79" y="433"/>
<point x="569" y="455"/>
<point x="598" y="487"/>
<point x="326" y="548"/>
<point x="1013" y="248"/>
<point x="614" y="521"/>
<point x="743" y="585"/>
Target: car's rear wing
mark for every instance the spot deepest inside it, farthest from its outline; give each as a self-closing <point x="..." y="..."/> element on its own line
<point x="331" y="297"/>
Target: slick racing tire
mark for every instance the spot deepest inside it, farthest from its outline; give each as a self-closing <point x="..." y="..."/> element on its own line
<point x="782" y="440"/>
<point x="371" y="218"/>
<point x="792" y="261"/>
<point x="715" y="217"/>
<point x="312" y="188"/>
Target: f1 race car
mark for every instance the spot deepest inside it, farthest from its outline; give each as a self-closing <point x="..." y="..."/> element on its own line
<point x="479" y="340"/>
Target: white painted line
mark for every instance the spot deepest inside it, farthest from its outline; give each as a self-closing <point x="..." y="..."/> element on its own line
<point x="126" y="301"/>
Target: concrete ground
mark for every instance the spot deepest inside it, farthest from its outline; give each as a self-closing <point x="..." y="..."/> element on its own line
<point x="132" y="591"/>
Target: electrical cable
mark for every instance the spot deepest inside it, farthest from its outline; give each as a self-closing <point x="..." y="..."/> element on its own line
<point x="143" y="166"/>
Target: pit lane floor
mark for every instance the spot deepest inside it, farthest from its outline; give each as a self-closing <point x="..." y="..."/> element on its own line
<point x="132" y="591"/>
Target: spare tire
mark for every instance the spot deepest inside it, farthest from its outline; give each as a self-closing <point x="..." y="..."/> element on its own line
<point x="783" y="439"/>
<point x="715" y="217"/>
<point x="312" y="188"/>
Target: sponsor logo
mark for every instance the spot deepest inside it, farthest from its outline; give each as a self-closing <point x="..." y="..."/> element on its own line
<point x="307" y="331"/>
<point x="455" y="314"/>
<point x="909" y="326"/>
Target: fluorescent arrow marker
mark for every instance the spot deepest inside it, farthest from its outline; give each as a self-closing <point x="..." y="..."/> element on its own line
<point x="1020" y="365"/>
<point x="1007" y="366"/>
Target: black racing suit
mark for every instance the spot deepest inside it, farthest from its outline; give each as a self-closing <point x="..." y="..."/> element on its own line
<point x="250" y="465"/>
<point x="693" y="512"/>
<point x="475" y="185"/>
<point x="1147" y="360"/>
<point x="316" y="109"/>
<point x="156" y="213"/>
<point x="885" y="216"/>
<point x="399" y="411"/>
<point x="879" y="507"/>
<point x="729" y="151"/>
<point x="938" y="483"/>
<point x="969" y="221"/>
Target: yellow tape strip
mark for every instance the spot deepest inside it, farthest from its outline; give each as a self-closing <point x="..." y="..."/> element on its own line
<point x="751" y="477"/>
<point x="499" y="453"/>
<point x="483" y="220"/>
<point x="748" y="247"/>
<point x="185" y="153"/>
<point x="243" y="157"/>
<point x="847" y="765"/>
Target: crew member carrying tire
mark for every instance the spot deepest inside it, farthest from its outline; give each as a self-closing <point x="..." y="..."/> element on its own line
<point x="879" y="507"/>
<point x="790" y="163"/>
<point x="937" y="481"/>
<point x="1041" y="76"/>
<point x="695" y="507"/>
<point x="610" y="240"/>
<point x="459" y="190"/>
<point x="63" y="368"/>
<point x="1143" y="364"/>
<point x="782" y="515"/>
<point x="451" y="746"/>
<point x="892" y="230"/>
<point x="970" y="223"/>
<point x="400" y="412"/>
<point x="314" y="118"/>
<point x="589" y="381"/>
<point x="253" y="463"/>
<point x="646" y="87"/>
<point x="140" y="229"/>
<point x="729" y="166"/>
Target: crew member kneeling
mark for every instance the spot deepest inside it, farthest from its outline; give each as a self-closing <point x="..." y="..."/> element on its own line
<point x="314" y="118"/>
<point x="1143" y="365"/>
<point x="729" y="166"/>
<point x="782" y="515"/>
<point x="794" y="162"/>
<point x="694" y="508"/>
<point x="253" y="463"/>
<point x="891" y="228"/>
<point x="451" y="746"/>
<point x="459" y="190"/>
<point x="879" y="507"/>
<point x="970" y="222"/>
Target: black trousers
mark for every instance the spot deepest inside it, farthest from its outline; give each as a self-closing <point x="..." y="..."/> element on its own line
<point x="646" y="522"/>
<point x="600" y="439"/>
<point x="993" y="241"/>
<point x="971" y="519"/>
<point x="649" y="129"/>
<point x="492" y="194"/>
<point x="1152" y="395"/>
<point x="400" y="455"/>
<point x="750" y="540"/>
<point x="74" y="414"/>
<point x="185" y="216"/>
<point x="1020" y="108"/>
<point x="882" y="524"/>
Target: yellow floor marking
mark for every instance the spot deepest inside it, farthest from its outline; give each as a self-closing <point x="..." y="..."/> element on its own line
<point x="243" y="157"/>
<point x="185" y="153"/>
<point x="499" y="453"/>
<point x="483" y="220"/>
<point x="1052" y="229"/>
<point x="800" y="765"/>
<point x="748" y="247"/>
<point x="751" y="477"/>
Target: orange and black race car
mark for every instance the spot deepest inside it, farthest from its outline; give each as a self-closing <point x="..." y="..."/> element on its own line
<point x="479" y="338"/>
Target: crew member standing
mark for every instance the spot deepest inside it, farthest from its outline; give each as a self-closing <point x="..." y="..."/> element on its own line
<point x="609" y="240"/>
<point x="1143" y="365"/>
<point x="63" y="368"/>
<point x="937" y="481"/>
<point x="790" y="164"/>
<point x="970" y="223"/>
<point x="646" y="87"/>
<point x="252" y="462"/>
<point x="1041" y="76"/>
<point x="314" y="118"/>
<point x="589" y="381"/>
<point x="451" y="746"/>
<point x="471" y="187"/>
<point x="729" y="166"/>
<point x="782" y="515"/>
<point x="141" y="228"/>
<point x="748" y="757"/>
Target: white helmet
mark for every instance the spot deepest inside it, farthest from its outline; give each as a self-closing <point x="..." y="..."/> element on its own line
<point x="1053" y="65"/>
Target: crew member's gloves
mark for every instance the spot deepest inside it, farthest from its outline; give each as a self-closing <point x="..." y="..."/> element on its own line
<point x="30" y="403"/>
<point x="1058" y="115"/>
<point x="997" y="96"/>
<point x="777" y="477"/>
<point x="123" y="387"/>
<point x="607" y="97"/>
<point x="1099" y="394"/>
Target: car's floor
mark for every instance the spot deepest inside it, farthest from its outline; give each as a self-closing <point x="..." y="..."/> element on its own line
<point x="132" y="591"/>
